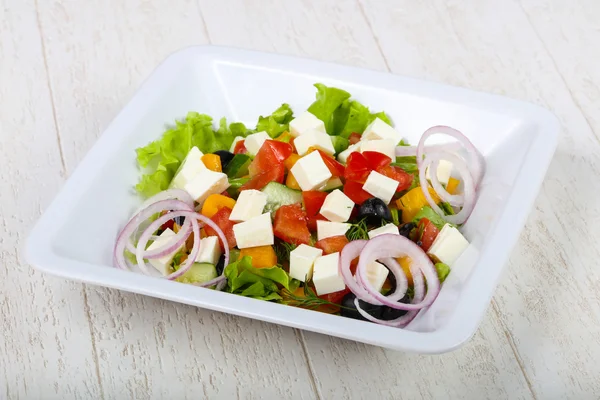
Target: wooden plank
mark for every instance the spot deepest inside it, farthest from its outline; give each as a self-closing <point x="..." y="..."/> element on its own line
<point x="45" y="349"/>
<point x="98" y="54"/>
<point x="344" y="369"/>
<point x="548" y="302"/>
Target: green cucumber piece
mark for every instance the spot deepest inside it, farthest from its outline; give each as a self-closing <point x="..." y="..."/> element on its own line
<point x="280" y="195"/>
<point x="238" y="166"/>
<point x="332" y="184"/>
<point x="234" y="186"/>
<point x="198" y="273"/>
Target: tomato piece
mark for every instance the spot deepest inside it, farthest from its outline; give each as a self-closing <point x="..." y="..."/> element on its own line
<point x="221" y="218"/>
<point x="313" y="201"/>
<point x="167" y="225"/>
<point x="427" y="233"/>
<point x="332" y="244"/>
<point x="357" y="168"/>
<point x="271" y="153"/>
<point x="354" y="138"/>
<point x="398" y="174"/>
<point x="355" y="192"/>
<point x="240" y="148"/>
<point x="312" y="221"/>
<point x="335" y="297"/>
<point x="376" y="160"/>
<point x="273" y="174"/>
<point x="334" y="167"/>
<point x="290" y="225"/>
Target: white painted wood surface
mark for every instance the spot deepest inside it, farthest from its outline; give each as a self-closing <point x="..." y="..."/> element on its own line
<point x="67" y="67"/>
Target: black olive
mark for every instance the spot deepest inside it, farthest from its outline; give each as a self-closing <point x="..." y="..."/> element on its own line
<point x="407" y="228"/>
<point x="349" y="310"/>
<point x="389" y="313"/>
<point x="225" y="157"/>
<point x="220" y="265"/>
<point x="179" y="220"/>
<point x="375" y="211"/>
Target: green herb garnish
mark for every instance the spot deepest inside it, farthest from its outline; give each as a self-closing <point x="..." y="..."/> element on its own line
<point x="358" y="231"/>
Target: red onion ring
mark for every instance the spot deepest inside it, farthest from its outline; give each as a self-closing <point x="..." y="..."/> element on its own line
<point x="469" y="187"/>
<point x="351" y="251"/>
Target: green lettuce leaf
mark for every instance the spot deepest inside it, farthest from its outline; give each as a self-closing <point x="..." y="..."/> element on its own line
<point x="435" y="218"/>
<point x="329" y="99"/>
<point x="442" y="270"/>
<point x="339" y="143"/>
<point x="276" y="123"/>
<point x="260" y="283"/>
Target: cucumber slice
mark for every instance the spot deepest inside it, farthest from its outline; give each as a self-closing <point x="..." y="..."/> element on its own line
<point x="280" y="195"/>
<point x="332" y="184"/>
<point x="238" y="166"/>
<point x="198" y="273"/>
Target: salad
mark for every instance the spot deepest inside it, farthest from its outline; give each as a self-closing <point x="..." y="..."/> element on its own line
<point x="329" y="209"/>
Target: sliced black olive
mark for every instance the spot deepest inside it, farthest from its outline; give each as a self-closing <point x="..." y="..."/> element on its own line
<point x="225" y="157"/>
<point x="389" y="313"/>
<point x="407" y="228"/>
<point x="179" y="220"/>
<point x="349" y="310"/>
<point x="220" y="265"/>
<point x="375" y="211"/>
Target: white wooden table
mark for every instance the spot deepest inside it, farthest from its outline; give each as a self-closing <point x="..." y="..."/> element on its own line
<point x="67" y="68"/>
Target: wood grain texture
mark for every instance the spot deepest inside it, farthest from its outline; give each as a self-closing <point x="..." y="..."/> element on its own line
<point x="45" y="351"/>
<point x="149" y="348"/>
<point x="551" y="272"/>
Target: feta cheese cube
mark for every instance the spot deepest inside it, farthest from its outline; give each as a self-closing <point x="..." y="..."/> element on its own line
<point x="210" y="250"/>
<point x="163" y="264"/>
<point x="250" y="204"/>
<point x="383" y="146"/>
<point x="191" y="165"/>
<point x="377" y="274"/>
<point x="343" y="156"/>
<point x="306" y="122"/>
<point x="389" y="228"/>
<point x="302" y="259"/>
<point x="205" y="183"/>
<point x="326" y="275"/>
<point x="235" y="140"/>
<point x="380" y="186"/>
<point x="313" y="138"/>
<point x="327" y="229"/>
<point x="337" y="207"/>
<point x="310" y="171"/>
<point x="444" y="172"/>
<point x="257" y="231"/>
<point x="448" y="245"/>
<point x="255" y="141"/>
<point x="378" y="129"/>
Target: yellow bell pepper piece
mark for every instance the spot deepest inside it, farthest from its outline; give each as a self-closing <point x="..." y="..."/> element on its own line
<point x="262" y="256"/>
<point x="452" y="185"/>
<point x="285" y="137"/>
<point x="405" y="264"/>
<point x="413" y="201"/>
<point x="291" y="160"/>
<point x="291" y="182"/>
<point x="214" y="203"/>
<point x="212" y="162"/>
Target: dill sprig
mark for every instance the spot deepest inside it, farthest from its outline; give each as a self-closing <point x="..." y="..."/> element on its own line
<point x="283" y="250"/>
<point x="358" y="231"/>
<point x="309" y="300"/>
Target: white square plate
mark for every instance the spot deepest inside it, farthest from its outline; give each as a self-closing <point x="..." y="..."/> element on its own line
<point x="75" y="236"/>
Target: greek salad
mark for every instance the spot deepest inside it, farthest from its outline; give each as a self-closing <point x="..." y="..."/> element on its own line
<point x="329" y="209"/>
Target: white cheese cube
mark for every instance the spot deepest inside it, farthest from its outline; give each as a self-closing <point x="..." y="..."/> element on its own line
<point x="257" y="231"/>
<point x="383" y="146"/>
<point x="302" y="259"/>
<point x="235" y="140"/>
<point x="378" y="129"/>
<point x="448" y="245"/>
<point x="337" y="207"/>
<point x="311" y="172"/>
<point x="377" y="274"/>
<point x="313" y="138"/>
<point x="380" y="186"/>
<point x="163" y="264"/>
<point x="255" y="141"/>
<point x="327" y="229"/>
<point x="191" y="165"/>
<point x="343" y="156"/>
<point x="389" y="228"/>
<point x="250" y="204"/>
<point x="205" y="183"/>
<point x="326" y="275"/>
<point x="306" y="122"/>
<point x="210" y="250"/>
<point x="444" y="172"/>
